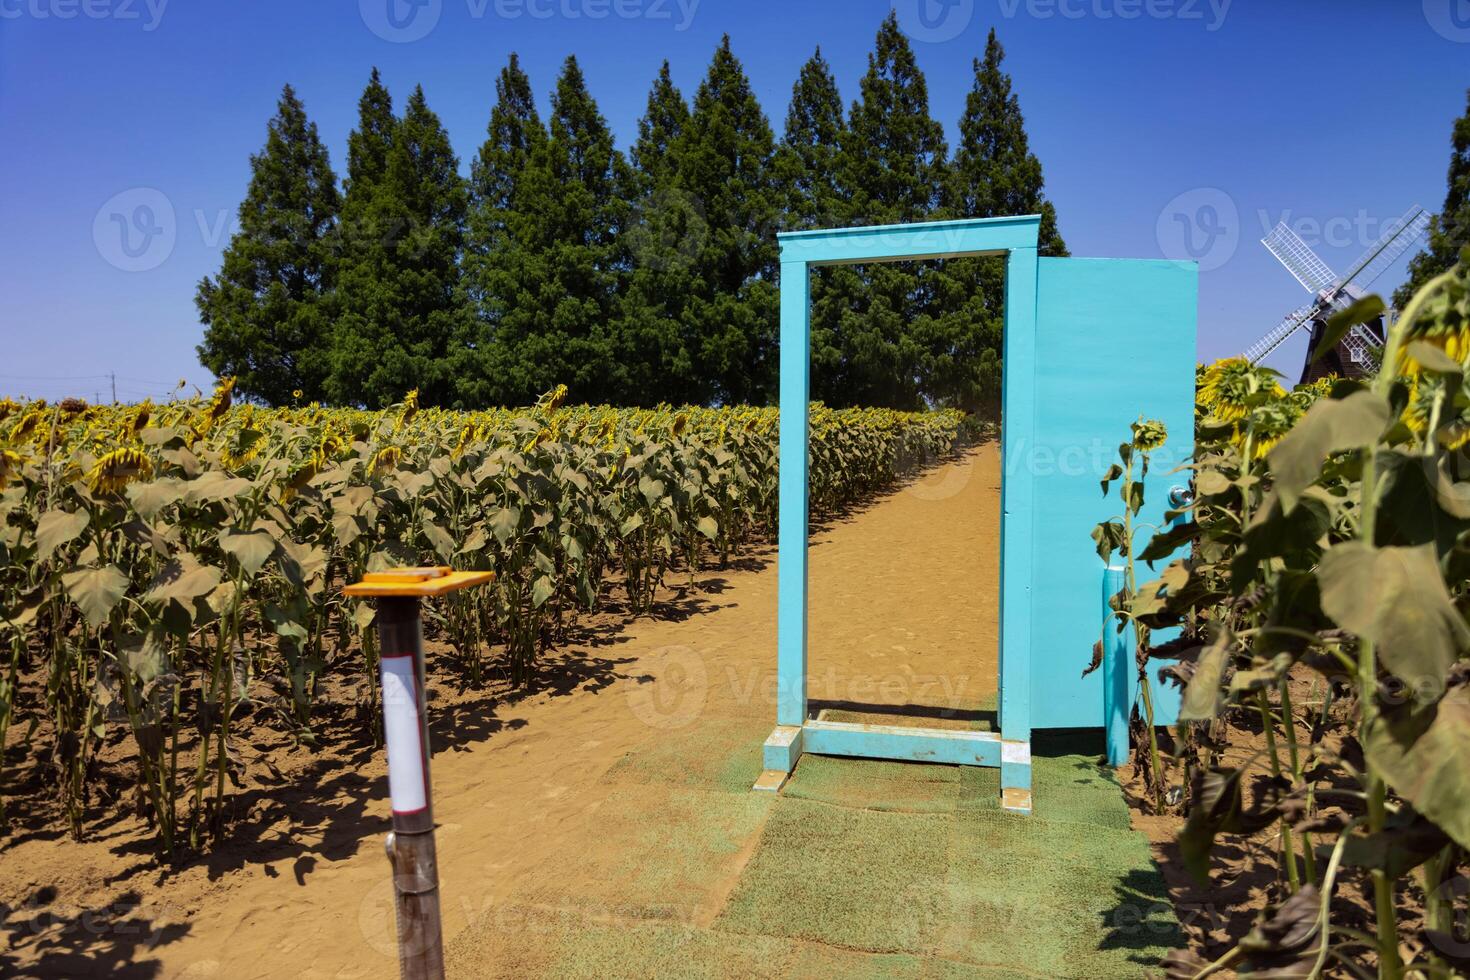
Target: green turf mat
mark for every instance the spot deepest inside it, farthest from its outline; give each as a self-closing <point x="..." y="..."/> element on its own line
<point x="720" y="754"/>
<point x="659" y="853"/>
<point x="860" y="879"/>
<point x="876" y="785"/>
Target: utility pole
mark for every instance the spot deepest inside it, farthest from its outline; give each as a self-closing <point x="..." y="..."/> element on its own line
<point x="113" y="376"/>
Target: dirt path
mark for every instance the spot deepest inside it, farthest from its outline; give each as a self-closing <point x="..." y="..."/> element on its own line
<point x="896" y="590"/>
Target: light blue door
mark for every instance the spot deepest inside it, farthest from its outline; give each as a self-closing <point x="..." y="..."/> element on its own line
<point x="1115" y="340"/>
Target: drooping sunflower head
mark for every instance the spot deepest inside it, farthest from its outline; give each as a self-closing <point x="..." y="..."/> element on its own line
<point x="10" y="466"/>
<point x="1233" y="386"/>
<point x="1269" y="422"/>
<point x="223" y="397"/>
<point x="541" y="437"/>
<point x="555" y="397"/>
<point x="466" y="433"/>
<point x="117" y="469"/>
<point x="1443" y="321"/>
<point x="386" y="459"/>
<point x="299" y="478"/>
<point x="681" y="422"/>
<point x="331" y="446"/>
<point x="138" y="420"/>
<point x="410" y="409"/>
<point x="1149" y="434"/>
<point x="28" y="424"/>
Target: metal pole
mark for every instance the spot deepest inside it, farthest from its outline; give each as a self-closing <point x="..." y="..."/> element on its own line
<point x="1118" y="669"/>
<point x="410" y="846"/>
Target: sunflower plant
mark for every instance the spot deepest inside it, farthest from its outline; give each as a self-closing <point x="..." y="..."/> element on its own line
<point x="1328" y="544"/>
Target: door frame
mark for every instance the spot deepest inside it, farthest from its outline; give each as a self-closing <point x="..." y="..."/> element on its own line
<point x="1016" y="238"/>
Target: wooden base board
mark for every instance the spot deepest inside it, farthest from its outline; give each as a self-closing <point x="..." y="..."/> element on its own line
<point x="770" y="781"/>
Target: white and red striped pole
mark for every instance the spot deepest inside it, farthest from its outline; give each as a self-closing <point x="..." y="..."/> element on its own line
<point x="410" y="845"/>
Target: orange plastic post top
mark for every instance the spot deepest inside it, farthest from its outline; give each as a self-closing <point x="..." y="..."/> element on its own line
<point x="426" y="581"/>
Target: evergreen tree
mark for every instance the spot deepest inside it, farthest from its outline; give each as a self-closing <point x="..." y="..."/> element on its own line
<point x="806" y="160"/>
<point x="993" y="174"/>
<point x="404" y="217"/>
<point x="662" y="124"/>
<point x="267" y="314"/>
<point x="556" y="284"/>
<point x="723" y="165"/>
<point x="664" y="232"/>
<point x="1450" y="230"/>
<point x="890" y="169"/>
<point x="806" y="175"/>
<point x="515" y="134"/>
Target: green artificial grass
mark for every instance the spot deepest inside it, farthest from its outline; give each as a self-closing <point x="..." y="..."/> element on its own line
<point x="860" y="879"/>
<point x="658" y="854"/>
<point x="718" y="754"/>
<point x="876" y="785"/>
<point x="858" y="868"/>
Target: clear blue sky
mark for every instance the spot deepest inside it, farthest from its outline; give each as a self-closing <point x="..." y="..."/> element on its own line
<point x="1333" y="114"/>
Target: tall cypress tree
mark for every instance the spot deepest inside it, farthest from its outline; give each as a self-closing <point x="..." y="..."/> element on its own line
<point x="1450" y="230"/>
<point x="515" y="134"/>
<point x="558" y="282"/>
<point x="404" y="230"/>
<point x="890" y="169"/>
<point x="661" y="126"/>
<point x="723" y="164"/>
<point x="267" y="314"/>
<point x="993" y="174"/>
<point x="811" y="197"/>
<point x="807" y="159"/>
<point x="665" y="231"/>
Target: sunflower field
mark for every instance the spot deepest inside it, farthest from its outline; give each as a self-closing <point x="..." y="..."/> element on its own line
<point x="165" y="569"/>
<point x="1316" y="592"/>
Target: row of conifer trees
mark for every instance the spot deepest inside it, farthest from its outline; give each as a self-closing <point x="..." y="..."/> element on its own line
<point x="633" y="278"/>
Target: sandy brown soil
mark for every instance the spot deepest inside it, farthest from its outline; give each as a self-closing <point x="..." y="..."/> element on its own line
<point x="1247" y="872"/>
<point x="301" y="887"/>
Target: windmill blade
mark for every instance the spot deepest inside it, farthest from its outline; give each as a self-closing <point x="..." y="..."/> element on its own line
<point x="1394" y="243"/>
<point x="1275" y="338"/>
<point x="1299" y="259"/>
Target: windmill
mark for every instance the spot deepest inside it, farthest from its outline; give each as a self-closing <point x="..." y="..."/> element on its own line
<point x="1357" y="352"/>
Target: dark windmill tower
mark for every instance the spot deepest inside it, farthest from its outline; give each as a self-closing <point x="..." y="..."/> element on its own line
<point x="1358" y="352"/>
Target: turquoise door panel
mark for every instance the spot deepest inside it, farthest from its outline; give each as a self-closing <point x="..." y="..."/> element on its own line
<point x="1115" y="340"/>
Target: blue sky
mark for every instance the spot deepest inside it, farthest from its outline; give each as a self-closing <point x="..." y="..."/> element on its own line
<point x="1146" y="114"/>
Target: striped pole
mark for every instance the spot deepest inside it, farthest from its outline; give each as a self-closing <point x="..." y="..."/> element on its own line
<point x="410" y="846"/>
